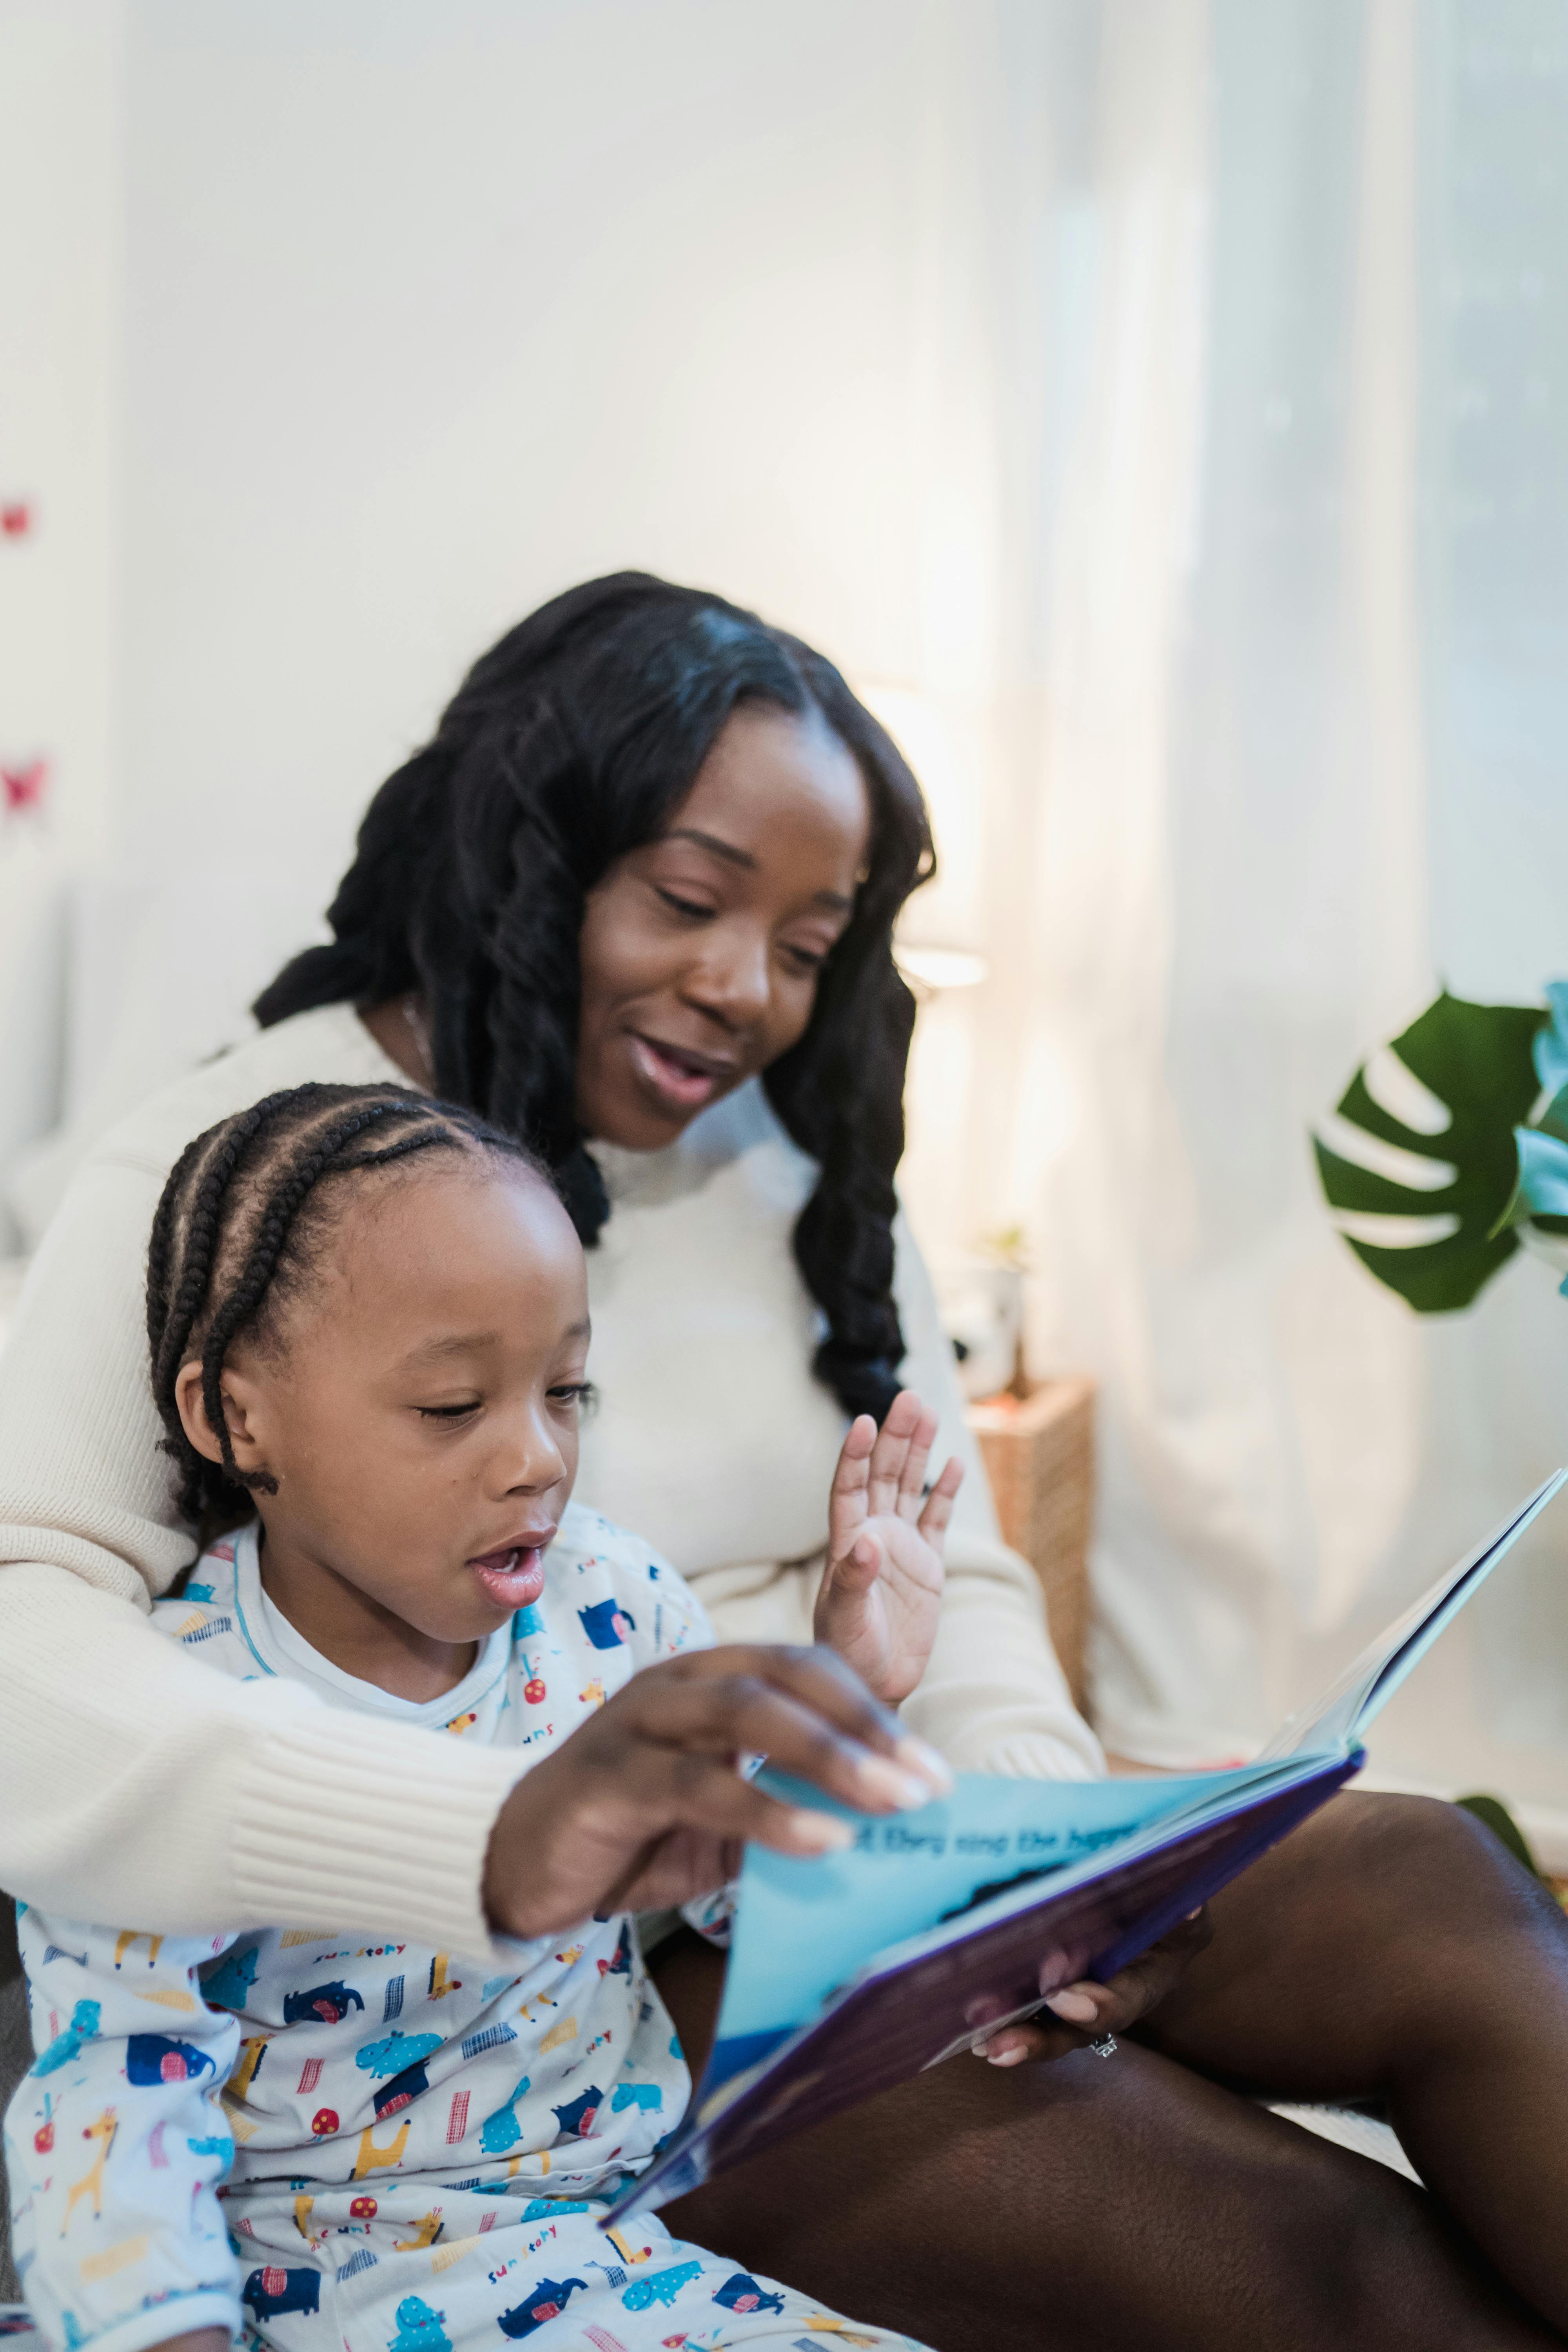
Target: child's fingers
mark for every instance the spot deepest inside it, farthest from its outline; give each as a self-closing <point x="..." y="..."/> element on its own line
<point x="933" y="1519"/>
<point x="846" y="1495"/>
<point x="912" y="1479"/>
<point x="891" y="1452"/>
<point x="856" y="1569"/>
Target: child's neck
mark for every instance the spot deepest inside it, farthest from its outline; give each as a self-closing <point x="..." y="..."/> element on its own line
<point x="360" y="1636"/>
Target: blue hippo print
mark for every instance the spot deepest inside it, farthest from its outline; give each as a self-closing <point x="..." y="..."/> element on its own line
<point x="419" y="2329"/>
<point x="577" y="2114"/>
<point x="663" y="2287"/>
<point x="197" y="1593"/>
<point x="155" y="2058"/>
<point x="271" y="2291"/>
<point x="741" y="2293"/>
<point x="218" y="2144"/>
<point x="500" y="2131"/>
<point x="549" y="2209"/>
<point x="548" y="2300"/>
<point x="607" y="1624"/>
<point x="401" y="2091"/>
<point x="227" y="1985"/>
<point x="647" y="2096"/>
<point x="330" y="2002"/>
<point x="395" y="2051"/>
<point x="64" y="2046"/>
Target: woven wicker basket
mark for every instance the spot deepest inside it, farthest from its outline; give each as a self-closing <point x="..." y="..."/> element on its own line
<point x="1038" y="1451"/>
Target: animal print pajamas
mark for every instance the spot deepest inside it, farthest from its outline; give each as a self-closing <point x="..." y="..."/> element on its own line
<point x="309" y="2139"/>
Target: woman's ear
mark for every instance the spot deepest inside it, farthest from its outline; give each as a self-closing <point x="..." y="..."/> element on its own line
<point x="239" y="1402"/>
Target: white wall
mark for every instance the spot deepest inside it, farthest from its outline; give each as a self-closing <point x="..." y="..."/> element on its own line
<point x="434" y="310"/>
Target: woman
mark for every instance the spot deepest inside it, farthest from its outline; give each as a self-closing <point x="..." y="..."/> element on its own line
<point x="636" y="900"/>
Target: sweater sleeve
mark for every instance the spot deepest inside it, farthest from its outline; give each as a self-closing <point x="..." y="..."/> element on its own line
<point x="140" y="1784"/>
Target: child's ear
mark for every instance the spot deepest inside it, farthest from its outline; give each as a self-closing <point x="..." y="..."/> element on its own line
<point x="239" y="1399"/>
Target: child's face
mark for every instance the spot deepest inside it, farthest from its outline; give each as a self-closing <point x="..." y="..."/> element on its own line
<point x="419" y="1414"/>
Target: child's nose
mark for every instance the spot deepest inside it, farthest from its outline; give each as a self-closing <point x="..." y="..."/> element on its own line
<point x="533" y="1461"/>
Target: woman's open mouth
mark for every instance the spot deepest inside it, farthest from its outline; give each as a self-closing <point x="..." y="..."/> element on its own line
<point x="686" y="1081"/>
<point x="513" y="1577"/>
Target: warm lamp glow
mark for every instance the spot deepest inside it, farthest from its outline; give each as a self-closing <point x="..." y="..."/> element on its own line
<point x="940" y="968"/>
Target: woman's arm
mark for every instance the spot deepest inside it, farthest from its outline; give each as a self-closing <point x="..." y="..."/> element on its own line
<point x="139" y="1784"/>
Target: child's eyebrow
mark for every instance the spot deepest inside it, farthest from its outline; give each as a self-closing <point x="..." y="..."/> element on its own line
<point x="452" y="1343"/>
<point x="472" y="1343"/>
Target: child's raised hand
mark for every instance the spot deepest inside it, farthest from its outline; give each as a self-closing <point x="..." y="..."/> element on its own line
<point x="881" y="1591"/>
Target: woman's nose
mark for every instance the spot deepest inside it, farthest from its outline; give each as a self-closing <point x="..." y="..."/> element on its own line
<point x="731" y="980"/>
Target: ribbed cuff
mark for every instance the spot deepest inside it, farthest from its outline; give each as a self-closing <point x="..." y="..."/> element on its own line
<point x="340" y="1822"/>
<point x="1037" y="1756"/>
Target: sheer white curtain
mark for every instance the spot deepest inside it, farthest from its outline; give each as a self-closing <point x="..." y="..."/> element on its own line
<point x="1215" y="524"/>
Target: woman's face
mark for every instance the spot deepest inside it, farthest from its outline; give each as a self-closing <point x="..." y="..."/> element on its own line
<point x="701" y="951"/>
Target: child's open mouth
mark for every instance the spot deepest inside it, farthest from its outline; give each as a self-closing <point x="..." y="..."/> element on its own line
<point x="514" y="1576"/>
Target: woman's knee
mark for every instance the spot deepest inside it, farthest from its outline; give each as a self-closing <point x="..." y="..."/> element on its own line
<point x="1418" y="1857"/>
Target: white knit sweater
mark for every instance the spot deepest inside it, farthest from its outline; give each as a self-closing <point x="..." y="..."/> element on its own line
<point x="141" y="1786"/>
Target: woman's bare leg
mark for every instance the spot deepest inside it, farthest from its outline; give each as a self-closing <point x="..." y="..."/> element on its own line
<point x="1391" y="1947"/>
<point x="1119" y="2204"/>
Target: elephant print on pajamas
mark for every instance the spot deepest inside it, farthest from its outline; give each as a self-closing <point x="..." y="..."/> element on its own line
<point x="66" y="2046"/>
<point x="607" y="1624"/>
<point x="743" y="2294"/>
<point x="155" y="2058"/>
<point x="272" y="2291"/>
<point x="227" y="1984"/>
<point x="500" y="2131"/>
<point x="330" y="2002"/>
<point x="419" y="2329"/>
<point x="663" y="2287"/>
<point x="548" y="2300"/>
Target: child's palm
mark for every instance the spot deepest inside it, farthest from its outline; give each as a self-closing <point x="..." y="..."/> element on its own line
<point x="881" y="1589"/>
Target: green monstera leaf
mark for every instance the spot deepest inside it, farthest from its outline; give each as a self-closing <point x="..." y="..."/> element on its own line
<point x="1475" y="1063"/>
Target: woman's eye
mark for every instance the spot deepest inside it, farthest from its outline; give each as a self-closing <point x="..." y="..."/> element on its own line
<point x="691" y="908"/>
<point x="446" y="1412"/>
<point x="809" y="959"/>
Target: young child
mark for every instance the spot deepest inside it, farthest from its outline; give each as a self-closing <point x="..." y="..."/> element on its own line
<point x="367" y="1311"/>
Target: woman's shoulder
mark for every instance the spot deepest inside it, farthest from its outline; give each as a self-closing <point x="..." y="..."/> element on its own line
<point x="329" y="1044"/>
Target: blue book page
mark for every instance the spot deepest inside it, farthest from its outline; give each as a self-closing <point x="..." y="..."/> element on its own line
<point x="805" y="1927"/>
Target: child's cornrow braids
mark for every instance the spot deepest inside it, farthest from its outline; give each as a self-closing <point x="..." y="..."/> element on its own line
<point x="236" y="1212"/>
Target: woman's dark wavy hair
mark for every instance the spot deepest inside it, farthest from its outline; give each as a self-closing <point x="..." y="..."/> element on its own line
<point x="568" y="744"/>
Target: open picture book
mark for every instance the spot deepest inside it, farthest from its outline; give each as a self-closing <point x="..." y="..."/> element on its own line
<point x="852" y="1971"/>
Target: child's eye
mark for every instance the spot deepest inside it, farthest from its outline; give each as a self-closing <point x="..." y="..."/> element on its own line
<point x="581" y="1393"/>
<point x="446" y="1412"/>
